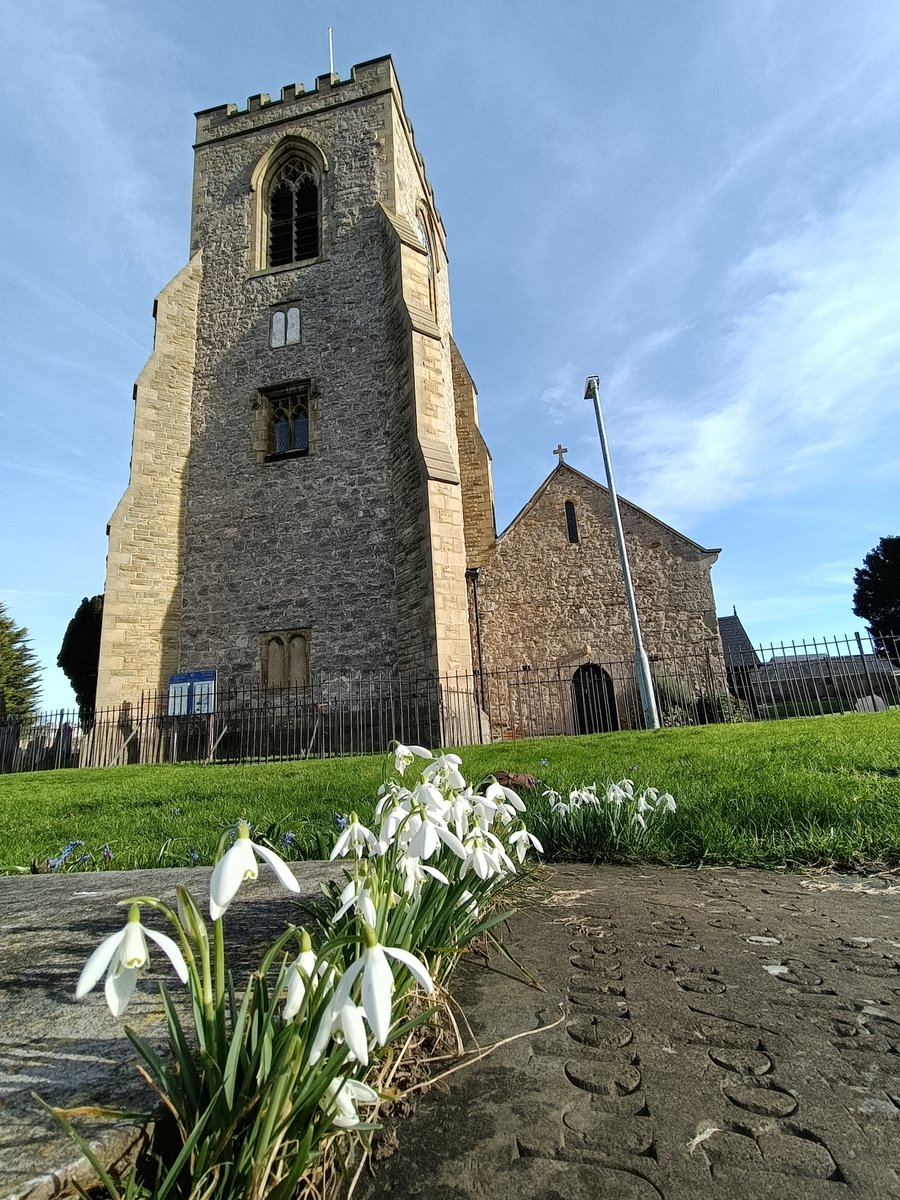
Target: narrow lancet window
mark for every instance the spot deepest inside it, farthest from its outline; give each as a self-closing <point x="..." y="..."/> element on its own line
<point x="571" y="522"/>
<point x="284" y="327"/>
<point x="276" y="334"/>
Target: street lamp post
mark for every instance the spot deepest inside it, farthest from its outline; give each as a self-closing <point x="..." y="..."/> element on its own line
<point x="641" y="662"/>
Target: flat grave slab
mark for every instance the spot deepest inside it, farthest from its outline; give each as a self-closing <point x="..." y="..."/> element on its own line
<point x="75" y="1052"/>
<point x="727" y="1034"/>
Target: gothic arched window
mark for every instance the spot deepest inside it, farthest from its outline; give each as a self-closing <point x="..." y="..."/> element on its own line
<point x="293" y="211"/>
<point x="287" y="418"/>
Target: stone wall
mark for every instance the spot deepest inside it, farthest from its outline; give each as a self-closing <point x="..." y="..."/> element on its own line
<point x="544" y="600"/>
<point x="298" y="543"/>
<point x="474" y="466"/>
<point x="142" y="607"/>
<point x="360" y="542"/>
<point x="426" y="300"/>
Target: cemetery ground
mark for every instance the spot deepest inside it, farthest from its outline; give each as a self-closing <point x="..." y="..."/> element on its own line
<point x="817" y="792"/>
<point x="649" y="1033"/>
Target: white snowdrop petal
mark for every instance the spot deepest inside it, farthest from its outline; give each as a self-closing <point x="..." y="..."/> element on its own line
<point x="172" y="951"/>
<point x="119" y="988"/>
<point x="235" y="865"/>
<point x="416" y="968"/>
<point x="354" y="1031"/>
<point x="377" y="992"/>
<point x="279" y="866"/>
<point x="97" y="964"/>
<point x="133" y="950"/>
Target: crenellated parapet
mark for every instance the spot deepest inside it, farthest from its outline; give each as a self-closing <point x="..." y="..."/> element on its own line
<point x="367" y="81"/>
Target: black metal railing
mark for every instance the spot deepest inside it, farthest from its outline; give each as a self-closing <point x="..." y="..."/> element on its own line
<point x="363" y="713"/>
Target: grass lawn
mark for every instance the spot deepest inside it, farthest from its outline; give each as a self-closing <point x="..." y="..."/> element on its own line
<point x="815" y="791"/>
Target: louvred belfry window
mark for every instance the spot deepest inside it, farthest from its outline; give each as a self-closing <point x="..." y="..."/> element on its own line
<point x="293" y="214"/>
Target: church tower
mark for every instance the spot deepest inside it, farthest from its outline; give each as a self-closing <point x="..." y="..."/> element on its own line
<point x="295" y="504"/>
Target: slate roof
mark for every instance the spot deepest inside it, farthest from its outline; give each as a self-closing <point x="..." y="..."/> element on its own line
<point x="736" y="642"/>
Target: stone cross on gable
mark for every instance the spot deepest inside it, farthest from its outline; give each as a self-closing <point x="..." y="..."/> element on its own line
<point x="560" y="451"/>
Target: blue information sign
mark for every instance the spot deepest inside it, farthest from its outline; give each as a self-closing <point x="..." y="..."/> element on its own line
<point x="191" y="693"/>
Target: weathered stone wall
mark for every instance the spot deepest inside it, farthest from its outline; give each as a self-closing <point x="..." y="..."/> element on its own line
<point x="474" y="466"/>
<point x="360" y="542"/>
<point x="544" y="600"/>
<point x="142" y="608"/>
<point x="299" y="543"/>
<point x="424" y="298"/>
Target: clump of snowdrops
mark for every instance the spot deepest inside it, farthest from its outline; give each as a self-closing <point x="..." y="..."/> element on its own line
<point x="265" y="1088"/>
<point x="616" y="822"/>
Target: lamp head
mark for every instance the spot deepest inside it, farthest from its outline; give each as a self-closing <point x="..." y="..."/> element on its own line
<point x="592" y="387"/>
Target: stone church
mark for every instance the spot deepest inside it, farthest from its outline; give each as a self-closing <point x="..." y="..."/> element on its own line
<point x="310" y="494"/>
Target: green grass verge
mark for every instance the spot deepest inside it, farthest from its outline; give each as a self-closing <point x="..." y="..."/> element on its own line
<point x="816" y="791"/>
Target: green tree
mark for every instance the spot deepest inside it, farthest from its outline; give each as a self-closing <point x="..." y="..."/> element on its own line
<point x="19" y="670"/>
<point x="876" y="596"/>
<point x="79" y="655"/>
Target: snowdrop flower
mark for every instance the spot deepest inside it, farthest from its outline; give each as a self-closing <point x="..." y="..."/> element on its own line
<point x="341" y="1098"/>
<point x="390" y="796"/>
<point x="238" y="864"/>
<point x="446" y="766"/>
<point x="415" y="873"/>
<point x="423" y="835"/>
<point x="393" y="821"/>
<point x="403" y="756"/>
<point x="500" y="794"/>
<point x="356" y="838"/>
<point x="122" y="955"/>
<point x="343" y="1021"/>
<point x="357" y="895"/>
<point x="521" y="840"/>
<point x="302" y="971"/>
<point x="459" y="812"/>
<point x="378" y="982"/>
<point x="469" y="903"/>
<point x="484" y="855"/>
<point x="428" y="795"/>
<point x="667" y="802"/>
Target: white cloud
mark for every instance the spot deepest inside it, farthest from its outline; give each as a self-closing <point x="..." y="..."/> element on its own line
<point x="45" y="471"/>
<point x="809" y="366"/>
<point x="563" y="392"/>
<point x="831" y="574"/>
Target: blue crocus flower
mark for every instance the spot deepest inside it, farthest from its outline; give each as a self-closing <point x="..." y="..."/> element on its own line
<point x="64" y="856"/>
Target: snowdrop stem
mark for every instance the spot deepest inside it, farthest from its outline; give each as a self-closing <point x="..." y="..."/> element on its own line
<point x="219" y="941"/>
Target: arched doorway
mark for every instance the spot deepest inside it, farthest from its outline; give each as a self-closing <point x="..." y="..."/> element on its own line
<point x="593" y="700"/>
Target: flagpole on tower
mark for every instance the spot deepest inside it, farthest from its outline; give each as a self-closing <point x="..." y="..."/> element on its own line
<point x="330" y="52"/>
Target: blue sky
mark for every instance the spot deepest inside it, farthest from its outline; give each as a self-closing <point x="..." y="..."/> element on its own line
<point x="698" y="201"/>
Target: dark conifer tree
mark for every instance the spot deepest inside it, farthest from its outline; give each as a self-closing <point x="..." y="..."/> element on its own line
<point x="19" y="670"/>
<point x="876" y="596"/>
<point x="79" y="655"/>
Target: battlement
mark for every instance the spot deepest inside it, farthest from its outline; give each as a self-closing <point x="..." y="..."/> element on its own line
<point x="366" y="79"/>
<point x="375" y="77"/>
